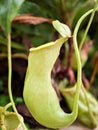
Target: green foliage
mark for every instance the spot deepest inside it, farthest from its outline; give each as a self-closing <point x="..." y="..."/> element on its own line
<point x="8" y="10"/>
<point x="51" y="8"/>
<point x="89" y="118"/>
<point x="31" y="8"/>
<point x="4" y="99"/>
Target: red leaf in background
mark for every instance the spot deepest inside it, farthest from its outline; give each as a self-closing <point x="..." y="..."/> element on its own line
<point x="30" y="19"/>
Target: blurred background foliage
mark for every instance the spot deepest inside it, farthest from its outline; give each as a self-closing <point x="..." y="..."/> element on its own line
<point x="32" y="34"/>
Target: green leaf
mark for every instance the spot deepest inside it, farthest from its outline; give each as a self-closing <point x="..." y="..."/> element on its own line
<point x="31" y="8"/>
<point x="8" y="10"/>
<point x="51" y="8"/>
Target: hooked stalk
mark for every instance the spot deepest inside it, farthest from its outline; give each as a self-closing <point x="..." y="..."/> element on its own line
<point x="79" y="80"/>
<point x="79" y="67"/>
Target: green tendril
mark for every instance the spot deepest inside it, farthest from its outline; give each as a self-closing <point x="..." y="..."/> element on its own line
<point x="88" y="26"/>
<point x="10" y="79"/>
<point x="79" y="66"/>
<point x="7" y="106"/>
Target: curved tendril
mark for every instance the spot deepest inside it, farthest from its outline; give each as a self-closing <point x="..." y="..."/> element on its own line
<point x="88" y="26"/>
<point x="79" y="66"/>
<point x="7" y="106"/>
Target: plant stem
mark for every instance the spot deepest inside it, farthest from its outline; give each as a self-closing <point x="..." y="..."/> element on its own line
<point x="7" y="106"/>
<point x="79" y="67"/>
<point x="10" y="79"/>
<point x="87" y="28"/>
